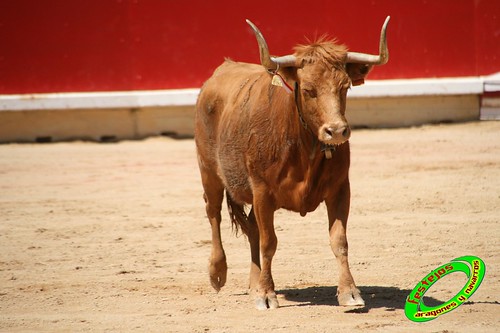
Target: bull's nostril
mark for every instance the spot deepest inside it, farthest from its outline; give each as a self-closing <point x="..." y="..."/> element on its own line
<point x="329" y="132"/>
<point x="346" y="133"/>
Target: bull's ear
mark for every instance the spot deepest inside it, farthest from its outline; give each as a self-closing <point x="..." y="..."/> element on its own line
<point x="357" y="72"/>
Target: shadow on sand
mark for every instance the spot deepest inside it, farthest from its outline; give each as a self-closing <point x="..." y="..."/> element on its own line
<point x="390" y="298"/>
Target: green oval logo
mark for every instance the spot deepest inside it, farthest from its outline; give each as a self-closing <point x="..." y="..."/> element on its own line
<point x="472" y="266"/>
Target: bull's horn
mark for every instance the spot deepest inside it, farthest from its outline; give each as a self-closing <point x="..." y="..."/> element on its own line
<point x="270" y="63"/>
<point x="381" y="59"/>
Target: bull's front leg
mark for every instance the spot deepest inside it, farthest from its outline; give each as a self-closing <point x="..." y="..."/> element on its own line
<point x="264" y="293"/>
<point x="338" y="211"/>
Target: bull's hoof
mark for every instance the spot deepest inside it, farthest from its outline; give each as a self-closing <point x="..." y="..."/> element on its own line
<point x="350" y="298"/>
<point x="269" y="301"/>
<point x="218" y="274"/>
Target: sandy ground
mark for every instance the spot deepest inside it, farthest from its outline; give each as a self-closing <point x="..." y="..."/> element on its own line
<point x="113" y="237"/>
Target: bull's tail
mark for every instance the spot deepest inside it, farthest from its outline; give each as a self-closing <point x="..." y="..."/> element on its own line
<point x="239" y="219"/>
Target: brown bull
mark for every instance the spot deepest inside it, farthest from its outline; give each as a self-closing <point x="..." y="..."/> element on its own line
<point x="275" y="136"/>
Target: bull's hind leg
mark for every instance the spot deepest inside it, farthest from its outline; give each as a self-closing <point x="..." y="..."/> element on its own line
<point x="248" y="226"/>
<point x="253" y="239"/>
<point x="338" y="211"/>
<point x="265" y="296"/>
<point x="214" y="194"/>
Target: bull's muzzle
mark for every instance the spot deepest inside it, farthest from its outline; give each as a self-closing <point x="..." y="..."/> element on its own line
<point x="334" y="134"/>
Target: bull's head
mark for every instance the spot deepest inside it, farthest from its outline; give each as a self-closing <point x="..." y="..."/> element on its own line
<point x="322" y="73"/>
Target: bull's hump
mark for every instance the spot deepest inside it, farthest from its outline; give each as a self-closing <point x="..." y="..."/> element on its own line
<point x="235" y="69"/>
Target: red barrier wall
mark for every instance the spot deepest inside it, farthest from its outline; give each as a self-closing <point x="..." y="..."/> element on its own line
<point x="113" y="45"/>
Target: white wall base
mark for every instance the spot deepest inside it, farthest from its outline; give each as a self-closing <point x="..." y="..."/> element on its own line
<point x="107" y="116"/>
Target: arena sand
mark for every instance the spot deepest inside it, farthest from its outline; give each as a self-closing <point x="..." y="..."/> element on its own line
<point x="113" y="237"/>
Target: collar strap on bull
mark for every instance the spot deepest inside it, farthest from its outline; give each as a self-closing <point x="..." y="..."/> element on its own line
<point x="297" y="103"/>
<point x="327" y="149"/>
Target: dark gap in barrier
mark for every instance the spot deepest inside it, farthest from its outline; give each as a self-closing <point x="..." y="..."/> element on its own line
<point x="43" y="139"/>
<point x="175" y="135"/>
<point x="108" y="138"/>
<point x="170" y="134"/>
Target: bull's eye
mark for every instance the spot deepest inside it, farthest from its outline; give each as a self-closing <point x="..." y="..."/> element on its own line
<point x="309" y="92"/>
